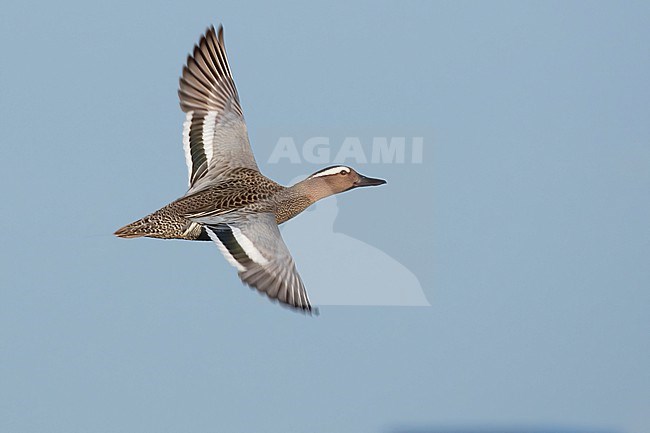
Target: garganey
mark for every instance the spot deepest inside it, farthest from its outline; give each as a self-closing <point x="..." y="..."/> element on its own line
<point x="229" y="201"/>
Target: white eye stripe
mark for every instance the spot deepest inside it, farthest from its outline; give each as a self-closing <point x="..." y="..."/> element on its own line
<point x="333" y="170"/>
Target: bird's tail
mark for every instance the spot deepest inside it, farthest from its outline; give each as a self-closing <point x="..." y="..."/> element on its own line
<point x="163" y="224"/>
<point x="138" y="229"/>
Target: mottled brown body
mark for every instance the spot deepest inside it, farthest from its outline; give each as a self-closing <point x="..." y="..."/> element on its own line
<point x="245" y="190"/>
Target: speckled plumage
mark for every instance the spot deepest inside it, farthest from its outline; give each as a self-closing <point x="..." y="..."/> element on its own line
<point x="244" y="191"/>
<point x="229" y="201"/>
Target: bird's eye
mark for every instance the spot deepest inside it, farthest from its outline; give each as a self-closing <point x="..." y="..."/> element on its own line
<point x="343" y="172"/>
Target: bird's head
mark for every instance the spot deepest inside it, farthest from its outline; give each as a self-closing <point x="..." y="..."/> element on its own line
<point x="340" y="178"/>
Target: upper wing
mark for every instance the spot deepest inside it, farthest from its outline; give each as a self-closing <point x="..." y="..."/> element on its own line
<point x="255" y="247"/>
<point x="215" y="138"/>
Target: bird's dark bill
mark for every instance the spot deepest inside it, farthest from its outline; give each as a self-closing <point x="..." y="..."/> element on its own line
<point x="368" y="181"/>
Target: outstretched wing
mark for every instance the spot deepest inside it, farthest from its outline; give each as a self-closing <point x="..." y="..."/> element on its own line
<point x="215" y="138"/>
<point x="255" y="247"/>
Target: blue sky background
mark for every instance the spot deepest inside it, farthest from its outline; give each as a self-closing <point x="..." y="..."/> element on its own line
<point x="526" y="224"/>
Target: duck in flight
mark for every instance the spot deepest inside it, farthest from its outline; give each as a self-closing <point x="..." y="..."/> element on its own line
<point x="229" y="201"/>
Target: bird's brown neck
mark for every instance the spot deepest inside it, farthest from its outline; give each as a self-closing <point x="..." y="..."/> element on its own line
<point x="313" y="188"/>
<point x="295" y="199"/>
